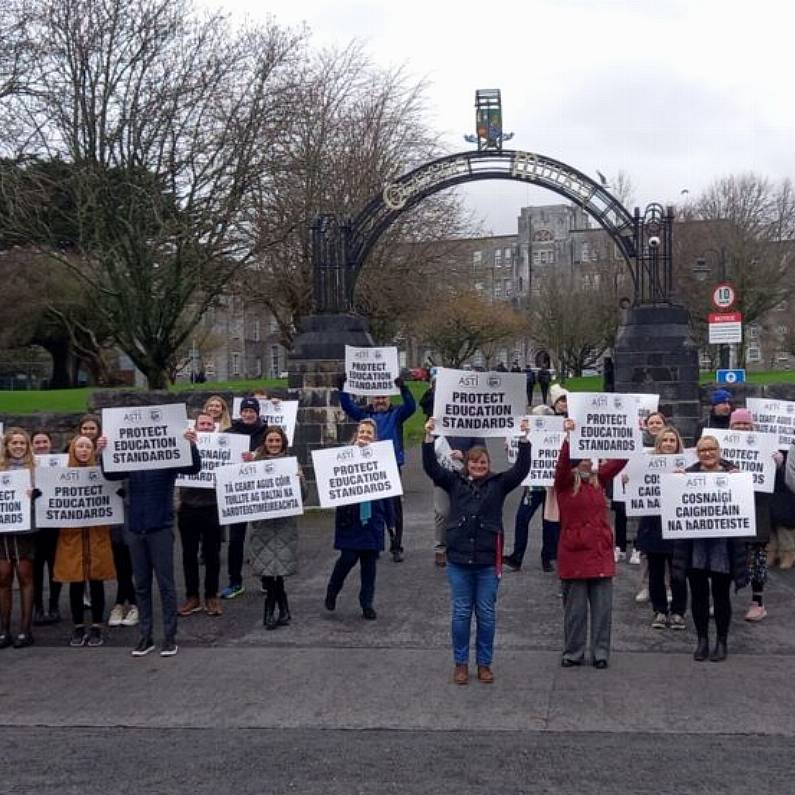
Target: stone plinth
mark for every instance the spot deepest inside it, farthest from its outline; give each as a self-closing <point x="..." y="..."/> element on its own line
<point x="314" y="369"/>
<point x="654" y="352"/>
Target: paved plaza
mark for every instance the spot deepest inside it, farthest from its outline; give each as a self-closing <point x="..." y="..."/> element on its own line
<point x="334" y="703"/>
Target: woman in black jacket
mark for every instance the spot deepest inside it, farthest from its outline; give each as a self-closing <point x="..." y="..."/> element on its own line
<point x="474" y="539"/>
<point x="711" y="564"/>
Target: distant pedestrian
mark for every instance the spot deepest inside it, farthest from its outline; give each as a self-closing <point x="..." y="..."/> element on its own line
<point x="273" y="543"/>
<point x="586" y="564"/>
<point x="544" y="379"/>
<point x="359" y="536"/>
<point x="474" y="542"/>
<point x="515" y="367"/>
<point x="530" y="383"/>
<point x="501" y="368"/>
<point x="711" y="565"/>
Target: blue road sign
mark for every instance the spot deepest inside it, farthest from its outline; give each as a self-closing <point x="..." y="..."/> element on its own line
<point x="730" y="377"/>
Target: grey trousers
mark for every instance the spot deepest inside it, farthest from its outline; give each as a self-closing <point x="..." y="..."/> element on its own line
<point x="578" y="595"/>
<point x="441" y="511"/>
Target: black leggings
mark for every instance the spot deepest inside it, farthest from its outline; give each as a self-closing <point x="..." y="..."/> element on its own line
<point x="125" y="588"/>
<point x="46" y="541"/>
<point x="97" y="590"/>
<point x="620" y="513"/>
<point x="700" y="582"/>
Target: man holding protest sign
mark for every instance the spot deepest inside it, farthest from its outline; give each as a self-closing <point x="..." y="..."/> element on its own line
<point x="388" y="421"/>
<point x="150" y="536"/>
<point x="709" y="562"/>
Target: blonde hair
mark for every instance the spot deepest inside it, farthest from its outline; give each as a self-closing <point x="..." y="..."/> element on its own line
<point x="73" y="462"/>
<point x="668" y="429"/>
<point x="30" y="461"/>
<point x="225" y="420"/>
<point x="366" y="421"/>
<point x="578" y="481"/>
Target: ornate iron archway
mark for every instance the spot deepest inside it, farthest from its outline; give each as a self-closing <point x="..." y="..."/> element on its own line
<point x="340" y="246"/>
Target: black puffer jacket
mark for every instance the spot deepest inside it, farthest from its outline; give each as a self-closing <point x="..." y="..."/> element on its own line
<point x="475" y="519"/>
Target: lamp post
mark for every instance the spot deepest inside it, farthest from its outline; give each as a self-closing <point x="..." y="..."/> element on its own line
<point x="701" y="270"/>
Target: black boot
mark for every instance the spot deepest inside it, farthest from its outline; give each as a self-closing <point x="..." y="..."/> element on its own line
<point x="720" y="652"/>
<point x="269" y="617"/>
<point x="281" y="601"/>
<point x="702" y="649"/>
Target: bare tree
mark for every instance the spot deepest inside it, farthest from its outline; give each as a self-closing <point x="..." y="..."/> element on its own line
<point x="165" y="119"/>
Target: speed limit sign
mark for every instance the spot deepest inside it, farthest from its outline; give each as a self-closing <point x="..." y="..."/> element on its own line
<point x="723" y="296"/>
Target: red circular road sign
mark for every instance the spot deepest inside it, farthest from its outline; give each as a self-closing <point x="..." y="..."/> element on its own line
<point x="723" y="296"/>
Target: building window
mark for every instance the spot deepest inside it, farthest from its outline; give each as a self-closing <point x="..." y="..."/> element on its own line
<point x="542" y="235"/>
<point x="536" y="257"/>
<point x="498" y="289"/>
<point x="507" y="254"/>
<point x="498" y="257"/>
<point x="256" y="330"/>
<point x="260" y="374"/>
<point x="508" y="287"/>
<point x="477" y="257"/>
<point x="235" y="364"/>
<point x="753" y="332"/>
<point x="274" y="361"/>
<point x="753" y="354"/>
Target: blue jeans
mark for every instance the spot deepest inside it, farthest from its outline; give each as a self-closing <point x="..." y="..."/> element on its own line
<point x="154" y="553"/>
<point x="473" y="587"/>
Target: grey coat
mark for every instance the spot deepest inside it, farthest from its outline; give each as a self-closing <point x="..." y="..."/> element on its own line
<point x="273" y="545"/>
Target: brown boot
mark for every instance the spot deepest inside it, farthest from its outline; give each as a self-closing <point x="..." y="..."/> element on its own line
<point x="485" y="674"/>
<point x="192" y="605"/>
<point x="461" y="674"/>
<point x="787" y="560"/>
<point x="213" y="606"/>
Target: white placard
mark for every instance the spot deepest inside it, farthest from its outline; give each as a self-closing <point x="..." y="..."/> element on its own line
<point x="347" y="475"/>
<point x="707" y="505"/>
<point x="371" y="371"/>
<point x="607" y="425"/>
<point x="15" y="500"/>
<point x="216" y="450"/>
<point x="77" y="497"/>
<point x="647" y="404"/>
<point x="641" y="491"/>
<point x="726" y="332"/>
<point x="267" y="489"/>
<point x="750" y="452"/>
<point x="774" y="416"/>
<point x="282" y="415"/>
<point x="145" y="437"/>
<point x="469" y="403"/>
<point x="544" y="423"/>
<point x="544" y="457"/>
<point x="444" y="455"/>
<point x="52" y="460"/>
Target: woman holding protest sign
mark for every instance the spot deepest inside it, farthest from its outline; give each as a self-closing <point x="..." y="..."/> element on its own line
<point x="17" y="550"/>
<point x="273" y="543"/>
<point x="711" y="564"/>
<point x="586" y="564"/>
<point x="474" y="541"/>
<point x="359" y="536"/>
<point x="84" y="555"/>
<point x="659" y="551"/>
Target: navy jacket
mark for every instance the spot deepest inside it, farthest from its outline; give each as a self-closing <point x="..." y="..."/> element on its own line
<point x="351" y="533"/>
<point x="151" y="494"/>
<point x="255" y="432"/>
<point x="475" y="518"/>
<point x="389" y="423"/>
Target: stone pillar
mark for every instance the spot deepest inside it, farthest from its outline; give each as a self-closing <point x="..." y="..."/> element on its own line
<point x="654" y="352"/>
<point x="314" y="367"/>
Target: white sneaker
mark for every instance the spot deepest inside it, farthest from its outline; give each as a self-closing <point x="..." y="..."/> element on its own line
<point x="635" y="557"/>
<point x="116" y="617"/>
<point x="642" y="595"/>
<point x="131" y="619"/>
<point x="669" y="595"/>
<point x="618" y="555"/>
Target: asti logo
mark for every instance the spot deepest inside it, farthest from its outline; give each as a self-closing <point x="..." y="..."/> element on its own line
<point x="222" y="440"/>
<point x="377" y="354"/>
<point x="679" y="463"/>
<point x="53" y="462"/>
<point x="658" y="462"/>
<point x="732" y="438"/>
<point x="470" y="379"/>
<point x="269" y="469"/>
<point x="94" y="476"/>
<point x="721" y="482"/>
<point x="155" y="415"/>
<point x="538" y="423"/>
<point x="751" y="440"/>
<point x="247" y="469"/>
<point x="599" y="402"/>
<point x="696" y="481"/>
<point x="69" y="476"/>
<point x="6" y="480"/>
<point x="618" y="403"/>
<point x="362" y="354"/>
<point x="366" y="452"/>
<point x="493" y="380"/>
<point x="136" y="415"/>
<point x="346" y="454"/>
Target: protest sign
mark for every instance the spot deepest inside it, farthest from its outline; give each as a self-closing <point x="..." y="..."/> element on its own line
<point x="544" y="457"/>
<point x="52" y="460"/>
<point x="638" y="483"/>
<point x="774" y="416"/>
<point x="750" y="452"/>
<point x="280" y="413"/>
<point x="444" y="455"/>
<point x="544" y="423"/>
<point x="371" y="371"/>
<point x="707" y="505"/>
<point x="647" y="403"/>
<point x="346" y="475"/>
<point x="267" y="489"/>
<point x="468" y="403"/>
<point x="77" y="497"/>
<point x="15" y="500"/>
<point x="215" y="449"/>
<point x="607" y="425"/>
<point x="145" y="437"/>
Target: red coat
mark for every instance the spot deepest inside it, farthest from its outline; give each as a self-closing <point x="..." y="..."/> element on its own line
<point x="585" y="549"/>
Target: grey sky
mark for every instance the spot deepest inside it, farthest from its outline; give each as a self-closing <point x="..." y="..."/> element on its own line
<point x="674" y="93"/>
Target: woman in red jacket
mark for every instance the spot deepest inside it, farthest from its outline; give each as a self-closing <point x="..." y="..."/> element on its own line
<point x="585" y="554"/>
